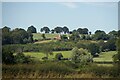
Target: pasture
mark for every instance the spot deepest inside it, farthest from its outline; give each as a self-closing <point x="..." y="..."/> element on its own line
<point x="40" y="55"/>
<point x="38" y="36"/>
<point x="103" y="57"/>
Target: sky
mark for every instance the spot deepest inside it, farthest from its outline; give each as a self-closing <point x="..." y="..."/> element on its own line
<point x="91" y="15"/>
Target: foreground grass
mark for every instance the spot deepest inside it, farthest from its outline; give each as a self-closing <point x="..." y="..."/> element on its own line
<point x="37" y="70"/>
<point x="57" y="69"/>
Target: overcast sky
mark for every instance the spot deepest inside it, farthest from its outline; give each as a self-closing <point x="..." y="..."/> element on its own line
<point x="91" y="15"/>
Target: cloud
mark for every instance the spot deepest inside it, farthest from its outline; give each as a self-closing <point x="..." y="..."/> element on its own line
<point x="69" y="4"/>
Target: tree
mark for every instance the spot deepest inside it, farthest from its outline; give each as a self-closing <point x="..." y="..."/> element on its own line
<point x="118" y="33"/>
<point x="100" y="35"/>
<point x="64" y="37"/>
<point x="90" y="33"/>
<point x="30" y="38"/>
<point x="85" y="31"/>
<point x="47" y="50"/>
<point x="43" y="36"/>
<point x="118" y="48"/>
<point x="86" y="57"/>
<point x="94" y="48"/>
<point x="16" y="36"/>
<point x="116" y="57"/>
<point x="59" y="56"/>
<point x="88" y="37"/>
<point x="70" y="32"/>
<point x="7" y="55"/>
<point x="109" y="45"/>
<point x="99" y="31"/>
<point x="5" y="29"/>
<point x="19" y="36"/>
<point x="113" y="33"/>
<point x="80" y="56"/>
<point x="52" y="31"/>
<point x="41" y="30"/>
<point x="75" y="55"/>
<point x="46" y="29"/>
<point x="82" y="31"/>
<point x="21" y="58"/>
<point x="65" y="30"/>
<point x="74" y="31"/>
<point x="75" y="36"/>
<point x="83" y="37"/>
<point x="31" y="29"/>
<point x="58" y="29"/>
<point x="6" y="35"/>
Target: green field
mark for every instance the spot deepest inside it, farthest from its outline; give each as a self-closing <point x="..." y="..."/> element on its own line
<point x="104" y="56"/>
<point x="38" y="35"/>
<point x="39" y="55"/>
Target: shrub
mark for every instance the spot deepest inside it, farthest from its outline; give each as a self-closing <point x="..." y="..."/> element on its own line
<point x="93" y="48"/>
<point x="7" y="55"/>
<point x="81" y="56"/>
<point x="109" y="45"/>
<point x="47" y="50"/>
<point x="43" y="36"/>
<point x="59" y="56"/>
<point x="75" y="55"/>
<point x="21" y="58"/>
<point x="64" y="37"/>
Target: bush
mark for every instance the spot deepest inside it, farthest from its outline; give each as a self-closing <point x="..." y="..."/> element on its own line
<point x="93" y="48"/>
<point x="7" y="55"/>
<point x="21" y="58"/>
<point x="64" y="37"/>
<point x="109" y="45"/>
<point x="59" y="56"/>
<point x="81" y="56"/>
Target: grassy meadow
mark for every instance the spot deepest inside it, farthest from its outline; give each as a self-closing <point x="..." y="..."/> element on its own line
<point x="40" y="55"/>
<point x="103" y="57"/>
<point x="38" y="35"/>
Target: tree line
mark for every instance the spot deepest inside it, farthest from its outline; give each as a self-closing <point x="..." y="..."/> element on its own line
<point x="63" y="30"/>
<point x="21" y="36"/>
